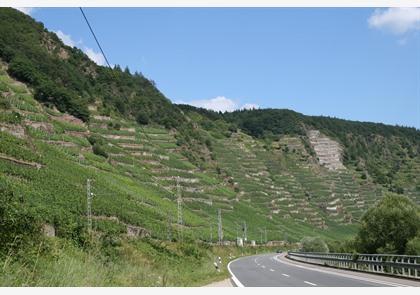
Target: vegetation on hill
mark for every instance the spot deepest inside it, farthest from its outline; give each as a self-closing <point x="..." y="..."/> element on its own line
<point x="73" y="132"/>
<point x="389" y="155"/>
<point x="66" y="78"/>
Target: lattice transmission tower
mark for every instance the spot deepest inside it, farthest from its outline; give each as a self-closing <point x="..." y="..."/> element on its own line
<point x="180" y="237"/>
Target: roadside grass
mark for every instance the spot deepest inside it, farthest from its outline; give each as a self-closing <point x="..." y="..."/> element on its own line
<point x="123" y="263"/>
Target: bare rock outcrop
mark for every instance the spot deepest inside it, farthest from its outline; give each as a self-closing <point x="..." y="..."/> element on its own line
<point x="327" y="151"/>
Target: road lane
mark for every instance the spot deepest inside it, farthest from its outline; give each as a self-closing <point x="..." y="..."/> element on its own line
<point x="272" y="270"/>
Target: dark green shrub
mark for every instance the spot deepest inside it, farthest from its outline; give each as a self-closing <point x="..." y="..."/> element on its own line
<point x="413" y="247"/>
<point x="20" y="225"/>
<point x="313" y="244"/>
<point x="23" y="69"/>
<point x="98" y="150"/>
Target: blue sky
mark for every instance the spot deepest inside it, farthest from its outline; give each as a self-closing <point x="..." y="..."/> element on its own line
<point x="354" y="63"/>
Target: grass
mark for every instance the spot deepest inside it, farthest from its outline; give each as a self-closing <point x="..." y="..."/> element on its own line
<point x="124" y="263"/>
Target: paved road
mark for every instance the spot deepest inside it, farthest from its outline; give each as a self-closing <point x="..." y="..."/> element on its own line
<point x="274" y="270"/>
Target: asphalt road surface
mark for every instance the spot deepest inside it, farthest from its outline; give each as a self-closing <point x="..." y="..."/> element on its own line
<point x="275" y="270"/>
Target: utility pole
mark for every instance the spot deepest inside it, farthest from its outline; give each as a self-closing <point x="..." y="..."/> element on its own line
<point x="244" y="231"/>
<point x="168" y="217"/>
<point x="219" y="218"/>
<point x="237" y="227"/>
<point x="180" y="237"/>
<point x="89" y="205"/>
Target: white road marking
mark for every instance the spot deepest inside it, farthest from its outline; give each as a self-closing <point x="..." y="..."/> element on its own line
<point x="285" y="275"/>
<point x="344" y="275"/>
<point x="271" y="269"/>
<point x="309" y="283"/>
<point x="235" y="280"/>
<point x="263" y="266"/>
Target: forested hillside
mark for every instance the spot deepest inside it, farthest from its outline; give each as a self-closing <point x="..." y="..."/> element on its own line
<point x="389" y="155"/>
<point x="97" y="161"/>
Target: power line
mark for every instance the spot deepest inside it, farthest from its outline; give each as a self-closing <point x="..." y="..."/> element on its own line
<point x="144" y="132"/>
<point x="103" y="53"/>
<point x="94" y="36"/>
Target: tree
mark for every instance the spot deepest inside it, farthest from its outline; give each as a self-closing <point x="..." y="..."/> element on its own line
<point x="23" y="70"/>
<point x="313" y="244"/>
<point x="413" y="246"/>
<point x="389" y="225"/>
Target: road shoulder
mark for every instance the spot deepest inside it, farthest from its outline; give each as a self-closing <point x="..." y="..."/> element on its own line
<point x="224" y="283"/>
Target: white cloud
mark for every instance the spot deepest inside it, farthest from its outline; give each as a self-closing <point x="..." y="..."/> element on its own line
<point x="217" y="104"/>
<point x="97" y="57"/>
<point x="250" y="106"/>
<point x="220" y="104"/>
<point x="395" y="20"/>
<point x="25" y="10"/>
<point x="67" y="39"/>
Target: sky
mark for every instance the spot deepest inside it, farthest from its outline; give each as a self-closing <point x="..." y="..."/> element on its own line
<point x="359" y="63"/>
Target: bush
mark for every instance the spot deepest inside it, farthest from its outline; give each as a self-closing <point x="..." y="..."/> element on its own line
<point x="4" y="103"/>
<point x="98" y="150"/>
<point x="64" y="99"/>
<point x="191" y="250"/>
<point x="313" y="244"/>
<point x="23" y="70"/>
<point x="20" y="226"/>
<point x="347" y="245"/>
<point x="3" y="87"/>
<point x="413" y="247"/>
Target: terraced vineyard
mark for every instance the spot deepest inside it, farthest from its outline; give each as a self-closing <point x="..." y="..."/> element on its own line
<point x="138" y="172"/>
<point x="288" y="188"/>
<point x="135" y="171"/>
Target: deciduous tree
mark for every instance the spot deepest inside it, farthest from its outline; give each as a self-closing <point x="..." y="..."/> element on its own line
<point x="389" y="225"/>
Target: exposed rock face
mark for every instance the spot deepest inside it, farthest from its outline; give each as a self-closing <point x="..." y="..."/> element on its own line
<point x="49" y="230"/>
<point x="40" y="126"/>
<point x="69" y="119"/>
<point x="138" y="232"/>
<point x="15" y="130"/>
<point x="327" y="151"/>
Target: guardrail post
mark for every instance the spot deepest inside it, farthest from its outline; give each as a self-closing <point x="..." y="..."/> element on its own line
<point x="392" y="268"/>
<point x="403" y="268"/>
<point x="382" y="266"/>
<point x="409" y="268"/>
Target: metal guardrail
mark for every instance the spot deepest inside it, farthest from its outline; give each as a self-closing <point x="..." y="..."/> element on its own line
<point x="389" y="264"/>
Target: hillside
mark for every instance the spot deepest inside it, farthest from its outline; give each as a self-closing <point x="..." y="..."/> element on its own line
<point x="71" y="131"/>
